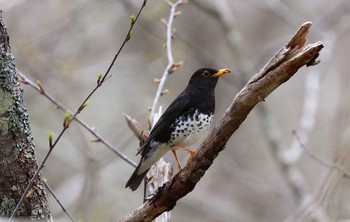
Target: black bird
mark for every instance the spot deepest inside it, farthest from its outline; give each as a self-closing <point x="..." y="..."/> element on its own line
<point x="182" y="124"/>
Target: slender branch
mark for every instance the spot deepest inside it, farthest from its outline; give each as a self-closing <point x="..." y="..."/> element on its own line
<point x="59" y="202"/>
<point x="126" y="39"/>
<point x="67" y="122"/>
<point x="294" y="55"/>
<point x="25" y="80"/>
<point x="171" y="67"/>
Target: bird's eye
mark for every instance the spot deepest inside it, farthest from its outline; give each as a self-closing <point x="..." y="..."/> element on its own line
<point x="206" y="73"/>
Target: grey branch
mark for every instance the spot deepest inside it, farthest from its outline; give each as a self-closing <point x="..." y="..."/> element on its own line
<point x="171" y="64"/>
<point x="294" y="55"/>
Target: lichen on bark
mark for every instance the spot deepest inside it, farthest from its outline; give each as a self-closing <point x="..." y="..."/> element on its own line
<point x="17" y="151"/>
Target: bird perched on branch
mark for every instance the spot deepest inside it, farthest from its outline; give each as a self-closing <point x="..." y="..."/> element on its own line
<point x="182" y="124"/>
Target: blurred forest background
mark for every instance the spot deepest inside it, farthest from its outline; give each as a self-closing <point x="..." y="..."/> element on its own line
<point x="266" y="172"/>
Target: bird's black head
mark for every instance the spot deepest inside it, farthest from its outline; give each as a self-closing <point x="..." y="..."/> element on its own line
<point x="207" y="77"/>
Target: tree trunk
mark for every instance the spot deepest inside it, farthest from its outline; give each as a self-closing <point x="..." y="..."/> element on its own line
<point x="17" y="151"/>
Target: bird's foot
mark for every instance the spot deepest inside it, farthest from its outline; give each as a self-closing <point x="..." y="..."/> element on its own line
<point x="179" y="167"/>
<point x="192" y="154"/>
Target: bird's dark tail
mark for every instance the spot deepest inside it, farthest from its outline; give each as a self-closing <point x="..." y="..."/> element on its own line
<point x="135" y="179"/>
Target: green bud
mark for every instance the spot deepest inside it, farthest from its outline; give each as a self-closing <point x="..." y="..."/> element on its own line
<point x="50" y="138"/>
<point x="67" y="116"/>
<point x="132" y="18"/>
<point x="67" y="119"/>
<point x="85" y="104"/>
<point x="99" y="77"/>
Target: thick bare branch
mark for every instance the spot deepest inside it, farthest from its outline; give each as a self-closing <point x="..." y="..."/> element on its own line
<point x="294" y="55"/>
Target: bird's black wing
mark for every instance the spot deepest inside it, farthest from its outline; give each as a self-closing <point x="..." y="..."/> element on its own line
<point x="162" y="130"/>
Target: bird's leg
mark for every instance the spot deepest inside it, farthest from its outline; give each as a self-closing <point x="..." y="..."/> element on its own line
<point x="192" y="152"/>
<point x="177" y="161"/>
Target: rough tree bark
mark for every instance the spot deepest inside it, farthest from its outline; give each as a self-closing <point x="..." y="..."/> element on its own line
<point x="17" y="155"/>
<point x="294" y="55"/>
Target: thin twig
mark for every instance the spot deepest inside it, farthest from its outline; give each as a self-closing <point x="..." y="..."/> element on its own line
<point x="171" y="64"/>
<point x="59" y="202"/>
<point x="126" y="39"/>
<point x="67" y="122"/>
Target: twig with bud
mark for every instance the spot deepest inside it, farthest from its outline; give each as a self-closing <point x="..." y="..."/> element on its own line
<point x="172" y="66"/>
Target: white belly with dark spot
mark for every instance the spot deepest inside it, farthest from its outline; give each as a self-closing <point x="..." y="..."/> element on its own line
<point x="190" y="130"/>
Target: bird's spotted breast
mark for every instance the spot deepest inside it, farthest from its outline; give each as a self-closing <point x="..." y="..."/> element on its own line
<point x="189" y="129"/>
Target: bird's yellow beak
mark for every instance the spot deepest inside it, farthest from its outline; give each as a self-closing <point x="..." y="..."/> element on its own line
<point x="221" y="72"/>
